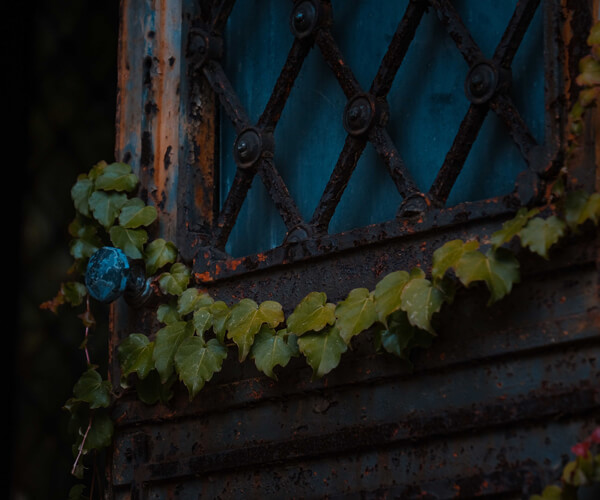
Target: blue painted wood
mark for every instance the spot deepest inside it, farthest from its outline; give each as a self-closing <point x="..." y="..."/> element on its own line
<point x="427" y="104"/>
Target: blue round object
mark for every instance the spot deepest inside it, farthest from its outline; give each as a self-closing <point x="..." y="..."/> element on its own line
<point x="107" y="274"/>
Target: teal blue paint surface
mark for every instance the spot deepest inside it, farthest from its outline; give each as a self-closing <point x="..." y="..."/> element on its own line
<point x="427" y="104"/>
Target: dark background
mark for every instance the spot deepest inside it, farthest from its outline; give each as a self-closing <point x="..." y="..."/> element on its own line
<point x="59" y="78"/>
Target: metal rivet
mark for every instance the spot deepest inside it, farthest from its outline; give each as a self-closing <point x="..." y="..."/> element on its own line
<point x="304" y="18"/>
<point x="247" y="148"/>
<point x="481" y="82"/>
<point x="358" y="115"/>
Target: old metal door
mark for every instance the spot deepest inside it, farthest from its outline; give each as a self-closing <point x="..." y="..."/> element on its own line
<point x="318" y="145"/>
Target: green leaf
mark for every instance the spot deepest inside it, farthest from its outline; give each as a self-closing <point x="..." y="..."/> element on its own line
<point x="86" y="240"/>
<point x="594" y="35"/>
<point x="136" y="213"/>
<point x="151" y="390"/>
<point x="220" y="312"/>
<point x="202" y="320"/>
<point x="97" y="170"/>
<point x="92" y="389"/>
<point x="74" y="292"/>
<point x="550" y="493"/>
<point x="191" y="300"/>
<point x="271" y="349"/>
<point x="448" y="256"/>
<point x="572" y="474"/>
<point x="388" y="292"/>
<point x="589" y="72"/>
<point x="581" y="206"/>
<point x="421" y="300"/>
<point x="117" y="177"/>
<point x="76" y="492"/>
<point x="135" y="356"/>
<point x="396" y="339"/>
<point x="499" y="269"/>
<point x="101" y="432"/>
<point x="167" y="313"/>
<point x="168" y="340"/>
<point x="196" y="362"/>
<point x="540" y="234"/>
<point x="355" y="314"/>
<point x="106" y="206"/>
<point x="159" y="253"/>
<point x="176" y="280"/>
<point x="323" y="350"/>
<point x="512" y="227"/>
<point x="312" y="313"/>
<point x="81" y="192"/>
<point x="245" y="320"/>
<point x="131" y="241"/>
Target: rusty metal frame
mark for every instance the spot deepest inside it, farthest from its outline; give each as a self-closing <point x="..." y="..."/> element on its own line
<point x="418" y="211"/>
<point x="168" y="111"/>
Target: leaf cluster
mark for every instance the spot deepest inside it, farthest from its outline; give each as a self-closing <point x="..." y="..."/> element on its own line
<point x="581" y="472"/>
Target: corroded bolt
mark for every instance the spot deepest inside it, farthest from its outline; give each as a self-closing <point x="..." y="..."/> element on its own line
<point x="481" y="82"/>
<point x="247" y="148"/>
<point x="358" y="115"/>
<point x="304" y="19"/>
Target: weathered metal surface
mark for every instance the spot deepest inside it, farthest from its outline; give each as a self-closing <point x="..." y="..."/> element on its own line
<point x="490" y="410"/>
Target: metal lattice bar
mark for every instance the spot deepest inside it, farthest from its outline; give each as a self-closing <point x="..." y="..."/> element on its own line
<point x="283" y="86"/>
<point x="396" y="168"/>
<point x="221" y="14"/>
<point x="405" y="32"/>
<point x="334" y="58"/>
<point x="457" y="31"/>
<point x="279" y="194"/>
<point x="514" y="33"/>
<point x="507" y="111"/>
<point x="353" y="148"/>
<point x="455" y="159"/>
<point x="222" y="87"/>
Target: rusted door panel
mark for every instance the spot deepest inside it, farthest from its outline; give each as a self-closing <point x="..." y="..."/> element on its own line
<point x="491" y="408"/>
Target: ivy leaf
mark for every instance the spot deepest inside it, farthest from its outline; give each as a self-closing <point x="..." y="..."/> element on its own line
<point x="106" y="206"/>
<point x="76" y="492"/>
<point x="388" y="292"/>
<point x="159" y="253"/>
<point x="116" y="177"/>
<point x="101" y="432"/>
<point x="86" y="240"/>
<point x="312" y="313"/>
<point x="73" y="292"/>
<point x="270" y="349"/>
<point x="581" y="206"/>
<point x="131" y="241"/>
<point x="220" y="314"/>
<point x="499" y="269"/>
<point x="398" y="335"/>
<point x="202" y="321"/>
<point x="168" y="340"/>
<point x="540" y="234"/>
<point x="167" y="313"/>
<point x="92" y="389"/>
<point x="97" y="170"/>
<point x="512" y="227"/>
<point x="152" y="390"/>
<point x="448" y="256"/>
<point x="80" y="193"/>
<point x="135" y="356"/>
<point x="551" y="492"/>
<point x="421" y="300"/>
<point x="176" y="280"/>
<point x="355" y="314"/>
<point x="323" y="350"/>
<point x="589" y="72"/>
<point x="136" y="213"/>
<point x="191" y="300"/>
<point x="245" y="320"/>
<point x="196" y="362"/>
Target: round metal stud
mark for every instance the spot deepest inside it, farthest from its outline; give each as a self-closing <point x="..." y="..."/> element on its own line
<point x="481" y="82"/>
<point x="304" y="18"/>
<point x="359" y="114"/>
<point x="297" y="234"/>
<point x="247" y="148"/>
<point x="107" y="274"/>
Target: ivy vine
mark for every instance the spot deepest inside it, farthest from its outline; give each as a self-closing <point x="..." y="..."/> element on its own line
<point x="197" y="333"/>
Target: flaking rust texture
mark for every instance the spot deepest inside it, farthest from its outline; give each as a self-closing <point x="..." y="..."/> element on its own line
<point x="491" y="409"/>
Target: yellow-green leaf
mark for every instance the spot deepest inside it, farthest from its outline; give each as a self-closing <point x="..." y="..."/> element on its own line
<point x="271" y="349"/>
<point x="312" y="313"/>
<point x="131" y="241"/>
<point x="540" y="234"/>
<point x="448" y="256"/>
<point x="421" y="300"/>
<point x="135" y="354"/>
<point x="388" y="293"/>
<point x="512" y="227"/>
<point x="168" y="340"/>
<point x="355" y="314"/>
<point x="116" y="177"/>
<point x="323" y="350"/>
<point x="135" y="213"/>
